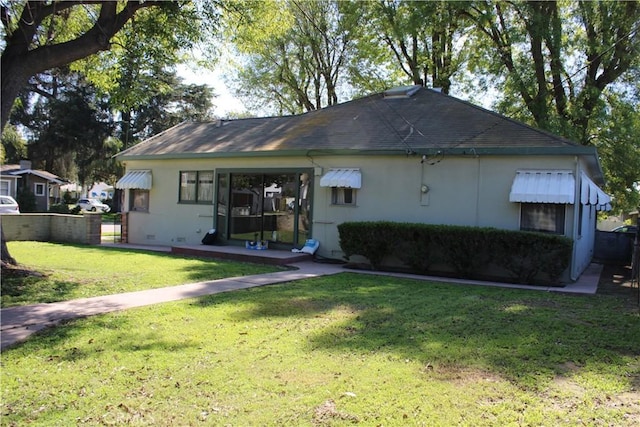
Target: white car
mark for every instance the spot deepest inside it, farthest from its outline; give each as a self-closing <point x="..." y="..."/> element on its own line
<point x="93" y="205"/>
<point x="8" y="205"/>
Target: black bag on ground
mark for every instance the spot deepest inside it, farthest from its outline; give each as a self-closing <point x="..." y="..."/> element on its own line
<point x="210" y="237"/>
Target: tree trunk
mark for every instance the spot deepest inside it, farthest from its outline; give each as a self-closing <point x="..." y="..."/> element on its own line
<point x="6" y="256"/>
<point x="14" y="78"/>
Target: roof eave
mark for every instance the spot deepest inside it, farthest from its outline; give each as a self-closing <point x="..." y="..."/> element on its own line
<point x="39" y="175"/>
<point x="458" y="151"/>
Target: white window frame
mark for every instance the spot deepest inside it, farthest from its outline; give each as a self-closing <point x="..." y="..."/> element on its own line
<point x="343" y="196"/>
<point x="40" y="189"/>
<point x="5" y="188"/>
<point x="196" y="187"/>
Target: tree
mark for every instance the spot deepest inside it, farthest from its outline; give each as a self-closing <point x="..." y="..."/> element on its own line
<point x="39" y="36"/>
<point x="566" y="67"/>
<point x="553" y="61"/>
<point x="14" y="147"/>
<point x="75" y="134"/>
<point x="619" y="147"/>
<point x="295" y="52"/>
<point x="141" y="64"/>
<point x="165" y="109"/>
<point x="420" y="36"/>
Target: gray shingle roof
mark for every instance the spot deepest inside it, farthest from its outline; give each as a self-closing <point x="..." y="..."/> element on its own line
<point x="424" y="123"/>
<point x="15" y="170"/>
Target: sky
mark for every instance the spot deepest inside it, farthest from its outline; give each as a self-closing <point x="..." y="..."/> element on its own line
<point x="224" y="101"/>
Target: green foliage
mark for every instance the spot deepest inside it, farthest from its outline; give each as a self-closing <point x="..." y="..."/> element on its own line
<point x="418" y="38"/>
<point x="61" y="208"/>
<point x="70" y="127"/>
<point x="619" y="147"/>
<point x="470" y="252"/>
<point x="294" y="53"/>
<point x="526" y="255"/>
<point x="164" y="109"/>
<point x="417" y="247"/>
<point x="373" y="240"/>
<point x="149" y="44"/>
<point x="138" y="74"/>
<point x="552" y="61"/>
<point x="26" y="200"/>
<point x="14" y="147"/>
<point x="67" y="198"/>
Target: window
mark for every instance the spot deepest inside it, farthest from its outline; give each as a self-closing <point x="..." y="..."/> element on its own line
<point x="205" y="186"/>
<point x="196" y="187"/>
<point x="139" y="200"/>
<point x="543" y="217"/>
<point x="4" y="188"/>
<point x="343" y="196"/>
<point x="39" y="189"/>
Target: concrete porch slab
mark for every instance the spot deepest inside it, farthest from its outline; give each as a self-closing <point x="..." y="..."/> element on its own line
<point x="239" y="253"/>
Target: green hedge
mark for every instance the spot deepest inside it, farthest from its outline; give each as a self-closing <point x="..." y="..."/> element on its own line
<point x="469" y="252"/>
<point x="63" y="208"/>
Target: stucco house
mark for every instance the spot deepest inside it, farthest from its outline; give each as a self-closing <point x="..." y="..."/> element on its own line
<point x="410" y="154"/>
<point x="21" y="177"/>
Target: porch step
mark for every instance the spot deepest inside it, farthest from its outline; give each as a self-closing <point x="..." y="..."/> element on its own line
<point x="238" y="253"/>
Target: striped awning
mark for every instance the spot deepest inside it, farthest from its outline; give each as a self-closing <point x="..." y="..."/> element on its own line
<point x="347" y="178"/>
<point x="591" y="194"/>
<point x="135" y="179"/>
<point x="543" y="186"/>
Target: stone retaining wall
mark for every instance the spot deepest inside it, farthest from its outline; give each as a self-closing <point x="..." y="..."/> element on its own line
<point x="52" y="227"/>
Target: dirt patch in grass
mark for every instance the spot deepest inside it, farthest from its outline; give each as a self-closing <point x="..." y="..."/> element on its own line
<point x="616" y="280"/>
<point x="328" y="414"/>
<point x="10" y="270"/>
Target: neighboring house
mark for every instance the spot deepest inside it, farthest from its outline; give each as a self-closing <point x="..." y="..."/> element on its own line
<point x="44" y="185"/>
<point x="101" y="191"/>
<point x="98" y="190"/>
<point x="410" y="154"/>
<point x="8" y="181"/>
<point x="73" y="190"/>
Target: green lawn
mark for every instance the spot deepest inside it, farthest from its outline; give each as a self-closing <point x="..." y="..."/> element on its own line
<point x="76" y="271"/>
<point x="338" y="350"/>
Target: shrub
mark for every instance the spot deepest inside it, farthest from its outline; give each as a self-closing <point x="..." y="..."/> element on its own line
<point x="68" y="198"/>
<point x="62" y="208"/>
<point x="526" y="257"/>
<point x="415" y="247"/>
<point x="372" y="240"/>
<point x="26" y="200"/>
<point x="527" y="254"/>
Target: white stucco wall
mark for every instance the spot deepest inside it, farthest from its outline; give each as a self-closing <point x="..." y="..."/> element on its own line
<point x="463" y="190"/>
<point x="584" y="236"/>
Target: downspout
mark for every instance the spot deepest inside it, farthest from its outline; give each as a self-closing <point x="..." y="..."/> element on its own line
<point x="478" y="186"/>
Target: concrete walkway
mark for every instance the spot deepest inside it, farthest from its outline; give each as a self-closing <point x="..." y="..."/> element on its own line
<point x="18" y="323"/>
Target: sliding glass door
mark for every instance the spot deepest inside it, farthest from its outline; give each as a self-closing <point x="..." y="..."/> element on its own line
<point x="255" y="206"/>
